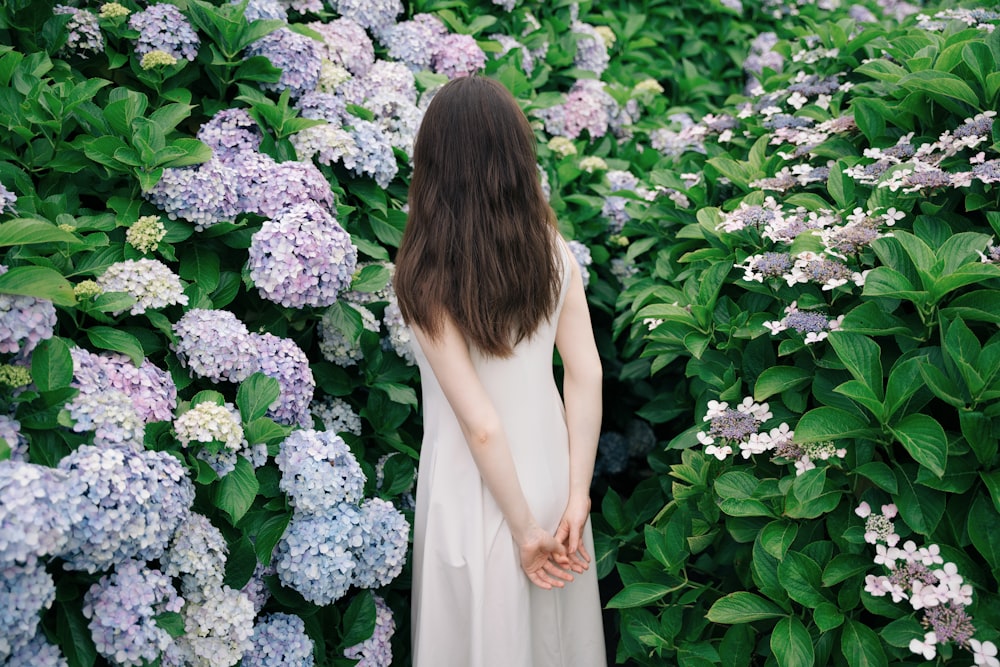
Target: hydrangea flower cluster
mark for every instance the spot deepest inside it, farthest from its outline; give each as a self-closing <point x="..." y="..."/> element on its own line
<point x="39" y="507"/>
<point x="674" y="143"/>
<point x="297" y="56"/>
<point x="122" y="608"/>
<point x="256" y="589"/>
<point x="149" y="281"/>
<point x="38" y="652"/>
<point x="152" y="391"/>
<point x="230" y="132"/>
<point x="25" y="591"/>
<point x="134" y="500"/>
<point x="612" y="454"/>
<point x="811" y="267"/>
<point x="164" y="28"/>
<point x="83" y="32"/>
<point x="591" y="51"/>
<point x="804" y="456"/>
<point x="327" y="144"/>
<point x="110" y="414"/>
<point x="345" y="43"/>
<point x="337" y="416"/>
<point x="581" y="253"/>
<point x="814" y="324"/>
<point x="376" y="651"/>
<point x="740" y="428"/>
<point x="214" y="344"/>
<point x="197" y="555"/>
<point x="641" y="438"/>
<point x="279" y="640"/>
<point x="204" y="194"/>
<point x="380" y="558"/>
<point x="145" y="233"/>
<point x="614" y="206"/>
<point x="24" y="321"/>
<point x="318" y="471"/>
<point x="302" y="257"/>
<point x="377" y="16"/>
<point x="400" y="337"/>
<point x="408" y="41"/>
<point x="374" y="155"/>
<point x="274" y="187"/>
<point x="315" y="557"/>
<point x="10" y="432"/>
<point x="457" y="55"/>
<point x="283" y="360"/>
<point x="922" y="577"/>
<point x="335" y="346"/>
<point x="588" y="106"/>
<point x="217" y="630"/>
<point x="210" y="423"/>
<point x="861" y="229"/>
<point x="258" y="10"/>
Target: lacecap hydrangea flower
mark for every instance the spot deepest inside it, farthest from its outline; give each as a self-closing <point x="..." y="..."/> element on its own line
<point x="39" y="507"/>
<point x="197" y="555"/>
<point x="149" y="281"/>
<point x="297" y="56"/>
<point x="133" y="502"/>
<point x="283" y="360"/>
<point x="214" y="344"/>
<point x="376" y="651"/>
<point x="318" y="471"/>
<point x="381" y="556"/>
<point x="279" y="640"/>
<point x="164" y="28"/>
<point x="302" y="257"/>
<point x="25" y="591"/>
<point x="122" y="608"/>
<point x="337" y="415"/>
<point x="24" y="321"/>
<point x="83" y="32"/>
<point x="315" y="554"/>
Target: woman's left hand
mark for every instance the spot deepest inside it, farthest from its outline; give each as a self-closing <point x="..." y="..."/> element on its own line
<point x="570" y="533"/>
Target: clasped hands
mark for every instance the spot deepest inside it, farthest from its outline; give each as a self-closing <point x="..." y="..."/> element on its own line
<point x="550" y="560"/>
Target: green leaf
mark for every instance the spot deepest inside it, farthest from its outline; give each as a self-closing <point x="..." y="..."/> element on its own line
<point x="51" y="365"/>
<point x="171" y="621"/>
<point x="107" y="338"/>
<point x="843" y="567"/>
<point x="977" y="429"/>
<point x="925" y="440"/>
<point x="829" y="423"/>
<point x="992" y="481"/>
<point x="862" y="357"/>
<point x="638" y="595"/>
<point x="74" y="635"/>
<point x="39" y="282"/>
<point x="398" y="393"/>
<point x="240" y="563"/>
<point x="268" y="535"/>
<point x="235" y="492"/>
<point x="883" y="281"/>
<point x="827" y="616"/>
<point x="800" y="576"/>
<point x="777" y="379"/>
<point x="264" y="430"/>
<point x="371" y="278"/>
<point x="256" y="395"/>
<point x="742" y="607"/>
<point x="982" y="522"/>
<point x="359" y="619"/>
<point x="861" y="646"/>
<point x="777" y="537"/>
<point x="901" y="631"/>
<point x="26" y="231"/>
<point x="921" y="508"/>
<point x="878" y="473"/>
<point x="200" y="265"/>
<point x="791" y="643"/>
<point x="941" y="84"/>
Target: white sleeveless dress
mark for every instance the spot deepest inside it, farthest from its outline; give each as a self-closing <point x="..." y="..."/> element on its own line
<point x="472" y="604"/>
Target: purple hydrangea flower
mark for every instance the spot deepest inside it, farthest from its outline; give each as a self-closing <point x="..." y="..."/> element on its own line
<point x="374" y="157"/>
<point x="38" y="652"/>
<point x="297" y="56"/>
<point x="197" y="555"/>
<point x="151" y="390"/>
<point x="614" y="206"/>
<point x="327" y="144"/>
<point x="581" y="253"/>
<point x="230" y="132"/>
<point x="588" y="107"/>
<point x="24" y="321"/>
<point x="398" y="118"/>
<point x="375" y="15"/>
<point x="389" y="79"/>
<point x="133" y="502"/>
<point x="215" y="344"/>
<point x="25" y="591"/>
<point x="162" y="27"/>
<point x="271" y="188"/>
<point x="386" y="533"/>
<point x="256" y="589"/>
<point x="318" y="471"/>
<point x="322" y="106"/>
<point x="302" y="257"/>
<point x="412" y="42"/>
<point x="8" y="200"/>
<point x="122" y="608"/>
<point x="591" y="52"/>
<point x="149" y="281"/>
<point x="109" y="414"/>
<point x="279" y="640"/>
<point x="376" y="651"/>
<point x="258" y="10"/>
<point x="83" y="32"/>
<point x="203" y="194"/>
<point x="346" y="43"/>
<point x="10" y="432"/>
<point x="39" y="507"/>
<point x="283" y="360"/>
<point x="337" y="416"/>
<point x="457" y="55"/>
<point x="400" y="337"/>
<point x="336" y="346"/>
<point x="315" y="555"/>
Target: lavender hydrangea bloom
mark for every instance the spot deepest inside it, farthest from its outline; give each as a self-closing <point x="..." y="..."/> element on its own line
<point x="151" y="390"/>
<point x="322" y="106"/>
<point x="591" y="52"/>
<point x="283" y="360"/>
<point x="122" y="608"/>
<point x="8" y="200"/>
<point x="83" y="32"/>
<point x="39" y="507"/>
<point x="376" y="651"/>
<point x="297" y="56"/>
<point x="271" y="188"/>
<point x="326" y="143"/>
<point x="302" y="257"/>
<point x="258" y="10"/>
<point x="214" y="344"/>
<point x="149" y="281"/>
<point x="398" y="118"/>
<point x="318" y="471"/>
<point x="457" y="55"/>
<point x="162" y="27"/>
<point x="315" y="554"/>
<point x="375" y="157"/>
<point x="588" y="107"/>
<point x="197" y="555"/>
<point x="38" y="652"/>
<point x="386" y="78"/>
<point x="10" y="432"/>
<point x="280" y="640"/>
<point x="614" y="206"/>
<point x="25" y="591"/>
<point x="386" y="531"/>
<point x="133" y="503"/>
<point x="346" y="43"/>
<point x="375" y="15"/>
<point x="412" y="42"/>
<point x="230" y="132"/>
<point x="334" y="344"/>
<point x="256" y="589"/>
<point x="400" y="335"/>
<point x="337" y="416"/>
<point x="24" y="321"/>
<point x="204" y="194"/>
<point x="508" y="44"/>
<point x="109" y="414"/>
<point x="581" y="253"/>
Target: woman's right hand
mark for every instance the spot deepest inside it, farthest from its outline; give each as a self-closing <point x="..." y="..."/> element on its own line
<point x="570" y="532"/>
<point x="539" y="551"/>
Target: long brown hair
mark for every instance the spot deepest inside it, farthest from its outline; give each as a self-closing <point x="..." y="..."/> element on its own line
<point x="479" y="242"/>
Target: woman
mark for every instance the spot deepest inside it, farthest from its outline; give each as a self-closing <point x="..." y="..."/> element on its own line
<point x="502" y="539"/>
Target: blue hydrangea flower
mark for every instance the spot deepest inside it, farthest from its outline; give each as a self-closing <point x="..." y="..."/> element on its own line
<point x="230" y="132"/>
<point x="263" y="9"/>
<point x="386" y="531"/>
<point x="197" y="555"/>
<point x="327" y="144"/>
<point x="318" y="471"/>
<point x="283" y="360"/>
<point x="412" y="42"/>
<point x="271" y="187"/>
<point x="217" y="628"/>
<point x="162" y="27"/>
<point x="297" y="56"/>
<point x="38" y="652"/>
<point x="110" y="414"/>
<point x="400" y="337"/>
<point x="83" y="32"/>
<point x="375" y="157"/>
<point x="375" y="15"/>
<point x="386" y="77"/>
<point x="280" y="640"/>
<point x="25" y="591"/>
<point x="8" y="200"/>
<point x="640" y="436"/>
<point x="149" y="281"/>
<point x="398" y="117"/>
<point x="591" y="52"/>
<point x="376" y="651"/>
<point x="581" y="253"/>
<point x="346" y="43"/>
<point x="24" y="321"/>
<point x="204" y="194"/>
<point x="337" y="415"/>
<point x="335" y="346"/>
<point x="457" y="55"/>
<point x="151" y="390"/>
<point x="322" y="106"/>
<point x="315" y="555"/>
<point x="214" y="344"/>
<point x="256" y="589"/>
<point x="302" y="257"/>
<point x="614" y="206"/>
<point x="39" y="507"/>
<point x="122" y="608"/>
<point x="10" y="432"/>
<point x="133" y="502"/>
